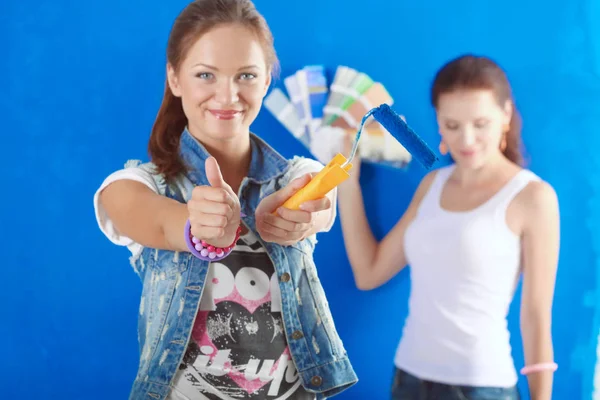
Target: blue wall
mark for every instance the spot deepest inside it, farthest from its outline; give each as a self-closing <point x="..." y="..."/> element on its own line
<point x="80" y="86"/>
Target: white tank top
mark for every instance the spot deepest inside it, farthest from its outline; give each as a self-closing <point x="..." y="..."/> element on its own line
<point x="464" y="268"/>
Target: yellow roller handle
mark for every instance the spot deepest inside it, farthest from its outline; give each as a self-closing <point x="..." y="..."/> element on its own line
<point x="326" y="180"/>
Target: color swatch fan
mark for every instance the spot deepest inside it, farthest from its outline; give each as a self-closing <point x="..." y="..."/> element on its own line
<point x="321" y="116"/>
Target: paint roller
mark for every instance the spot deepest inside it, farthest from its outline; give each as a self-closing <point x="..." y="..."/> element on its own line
<point x="337" y="170"/>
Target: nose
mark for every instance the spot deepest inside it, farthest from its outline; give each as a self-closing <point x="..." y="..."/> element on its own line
<point x="227" y="92"/>
<point x="468" y="137"/>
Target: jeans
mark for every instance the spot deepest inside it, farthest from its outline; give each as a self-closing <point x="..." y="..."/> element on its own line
<point x="409" y="387"/>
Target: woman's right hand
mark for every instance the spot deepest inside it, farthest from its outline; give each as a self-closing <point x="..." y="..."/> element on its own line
<point x="214" y="211"/>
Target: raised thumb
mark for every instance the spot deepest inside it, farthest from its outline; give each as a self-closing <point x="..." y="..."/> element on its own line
<point x="213" y="173"/>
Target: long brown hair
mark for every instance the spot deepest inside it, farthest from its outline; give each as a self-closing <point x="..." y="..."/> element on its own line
<point x="478" y="72"/>
<point x="196" y="19"/>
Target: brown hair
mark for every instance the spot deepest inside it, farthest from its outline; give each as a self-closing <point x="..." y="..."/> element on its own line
<point x="196" y="19"/>
<point x="477" y="72"/>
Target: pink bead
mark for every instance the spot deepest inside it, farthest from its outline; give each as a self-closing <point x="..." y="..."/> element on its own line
<point x="198" y="247"/>
<point x="204" y="252"/>
<point x="219" y="252"/>
<point x="195" y="240"/>
<point x="204" y="243"/>
<point x="211" y="248"/>
<point x="212" y="254"/>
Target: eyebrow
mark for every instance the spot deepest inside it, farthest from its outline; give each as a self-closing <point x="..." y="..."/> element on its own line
<point x="216" y="69"/>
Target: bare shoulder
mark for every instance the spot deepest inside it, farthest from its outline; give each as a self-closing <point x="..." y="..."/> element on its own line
<point x="538" y="201"/>
<point x="537" y="195"/>
<point x="428" y="179"/>
<point x="424" y="186"/>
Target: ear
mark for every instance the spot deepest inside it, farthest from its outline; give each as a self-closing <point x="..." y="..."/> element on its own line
<point x="173" y="81"/>
<point x="267" y="83"/>
<point x="508" y="110"/>
<point x="439" y="122"/>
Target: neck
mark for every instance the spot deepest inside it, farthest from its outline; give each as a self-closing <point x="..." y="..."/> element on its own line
<point x="473" y="176"/>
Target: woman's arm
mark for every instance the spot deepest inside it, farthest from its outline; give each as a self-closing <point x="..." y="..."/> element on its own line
<point x="144" y="216"/>
<point x="156" y="221"/>
<point x="540" y="249"/>
<point x="374" y="263"/>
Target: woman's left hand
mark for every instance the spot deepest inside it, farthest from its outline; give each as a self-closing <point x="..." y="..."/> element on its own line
<point x="287" y="227"/>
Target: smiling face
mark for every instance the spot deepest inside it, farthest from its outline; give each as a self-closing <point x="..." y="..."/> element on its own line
<point x="222" y="82"/>
<point x="472" y="125"/>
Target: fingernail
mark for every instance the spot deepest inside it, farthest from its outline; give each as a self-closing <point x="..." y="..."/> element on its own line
<point x="302" y="206"/>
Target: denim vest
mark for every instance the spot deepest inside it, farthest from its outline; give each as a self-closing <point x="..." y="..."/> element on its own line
<point x="173" y="284"/>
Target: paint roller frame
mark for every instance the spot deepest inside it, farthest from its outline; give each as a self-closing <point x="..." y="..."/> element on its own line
<point x="337" y="170"/>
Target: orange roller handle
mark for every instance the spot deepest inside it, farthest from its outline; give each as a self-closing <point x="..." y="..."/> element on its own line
<point x="326" y="180"/>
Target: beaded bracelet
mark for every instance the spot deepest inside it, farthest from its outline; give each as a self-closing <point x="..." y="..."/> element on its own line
<point x="205" y="251"/>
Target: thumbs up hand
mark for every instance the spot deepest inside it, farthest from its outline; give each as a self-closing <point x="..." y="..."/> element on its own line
<point x="214" y="211"/>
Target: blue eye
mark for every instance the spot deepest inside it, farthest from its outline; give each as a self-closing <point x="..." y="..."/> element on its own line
<point x="204" y="75"/>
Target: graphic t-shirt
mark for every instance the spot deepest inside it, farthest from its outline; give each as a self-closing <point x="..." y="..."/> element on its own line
<point x="238" y="348"/>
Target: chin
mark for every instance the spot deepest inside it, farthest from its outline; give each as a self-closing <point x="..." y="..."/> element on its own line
<point x="470" y="162"/>
<point x="228" y="134"/>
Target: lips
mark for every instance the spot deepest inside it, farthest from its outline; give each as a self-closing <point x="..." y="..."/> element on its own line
<point x="225" y="114"/>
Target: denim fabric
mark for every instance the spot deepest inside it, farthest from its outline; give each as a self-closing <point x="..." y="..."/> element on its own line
<point x="409" y="387"/>
<point x="173" y="284"/>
